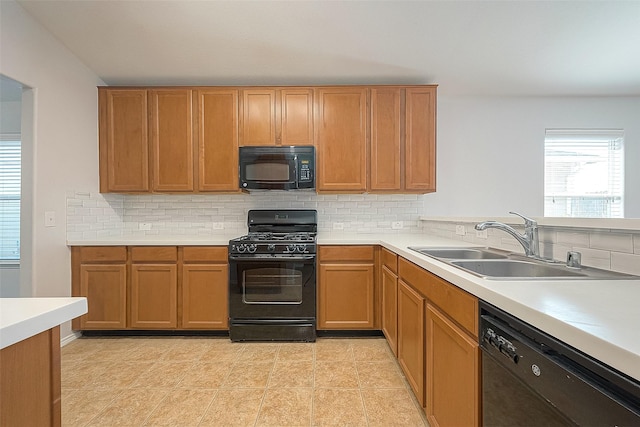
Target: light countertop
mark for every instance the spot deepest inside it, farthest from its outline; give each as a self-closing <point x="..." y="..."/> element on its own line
<point x="598" y="317"/>
<point x="22" y="318"/>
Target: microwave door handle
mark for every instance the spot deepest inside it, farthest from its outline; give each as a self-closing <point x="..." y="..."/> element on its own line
<point x="295" y="172"/>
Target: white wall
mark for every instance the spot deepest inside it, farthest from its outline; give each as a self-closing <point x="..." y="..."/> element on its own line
<point x="491" y="150"/>
<point x="63" y="143"/>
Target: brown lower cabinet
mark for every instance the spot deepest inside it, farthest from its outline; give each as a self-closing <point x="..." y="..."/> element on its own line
<point x="205" y="276"/>
<point x="151" y="287"/>
<point x="30" y="390"/>
<point x="346" y="287"/>
<point x="437" y="346"/>
<point x="411" y="338"/>
<point x="453" y="366"/>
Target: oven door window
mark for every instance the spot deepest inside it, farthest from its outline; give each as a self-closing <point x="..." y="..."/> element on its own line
<point x="272" y="285"/>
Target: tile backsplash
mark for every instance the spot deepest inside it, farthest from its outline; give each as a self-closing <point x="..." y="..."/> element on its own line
<point x="617" y="250"/>
<point x="94" y="215"/>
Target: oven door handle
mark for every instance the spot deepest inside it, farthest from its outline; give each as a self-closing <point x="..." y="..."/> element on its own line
<point x="258" y="259"/>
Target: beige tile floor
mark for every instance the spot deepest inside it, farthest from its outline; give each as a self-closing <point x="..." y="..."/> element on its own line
<point x="204" y="381"/>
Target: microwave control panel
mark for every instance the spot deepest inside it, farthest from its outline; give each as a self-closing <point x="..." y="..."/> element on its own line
<point x="305" y="170"/>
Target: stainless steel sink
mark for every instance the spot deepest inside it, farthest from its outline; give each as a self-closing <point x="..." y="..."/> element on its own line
<point x="460" y="253"/>
<point x="514" y="269"/>
<point x="495" y="264"/>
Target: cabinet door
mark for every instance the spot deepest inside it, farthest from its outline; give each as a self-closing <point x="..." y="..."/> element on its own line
<point x="341" y="126"/>
<point x="452" y="373"/>
<point x="171" y="139"/>
<point x="205" y="296"/>
<point x="124" y="143"/>
<point x="411" y="351"/>
<point x="385" y="139"/>
<point x="104" y="286"/>
<point x="420" y="143"/>
<point x="296" y="111"/>
<point x="345" y="296"/>
<point x="217" y="140"/>
<point x="390" y="308"/>
<point x="154" y="289"/>
<point x="258" y="117"/>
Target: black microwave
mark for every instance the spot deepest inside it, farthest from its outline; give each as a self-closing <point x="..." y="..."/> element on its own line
<point x="277" y="168"/>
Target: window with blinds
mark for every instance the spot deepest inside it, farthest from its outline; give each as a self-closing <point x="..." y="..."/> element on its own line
<point x="584" y="173"/>
<point x="10" y="199"/>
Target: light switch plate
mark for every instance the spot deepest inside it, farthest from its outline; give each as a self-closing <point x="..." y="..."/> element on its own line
<point x="481" y="234"/>
<point x="460" y="230"/>
<point x="144" y="226"/>
<point x="49" y="219"/>
<point x="396" y="225"/>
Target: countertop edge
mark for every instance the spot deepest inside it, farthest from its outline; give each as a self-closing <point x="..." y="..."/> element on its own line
<point x="23" y="318"/>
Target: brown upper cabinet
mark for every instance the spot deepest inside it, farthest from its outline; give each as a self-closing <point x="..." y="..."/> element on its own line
<point x="185" y="139"/>
<point x="164" y="140"/>
<point x="217" y="118"/>
<point x="277" y="116"/>
<point x="124" y="142"/>
<point x="341" y="127"/>
<point x="171" y="140"/>
<point x="403" y="121"/>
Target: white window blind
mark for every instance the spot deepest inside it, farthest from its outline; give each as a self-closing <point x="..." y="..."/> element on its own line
<point x="584" y="173"/>
<point x="10" y="199"/>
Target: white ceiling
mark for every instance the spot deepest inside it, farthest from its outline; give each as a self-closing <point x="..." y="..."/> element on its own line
<point x="467" y="47"/>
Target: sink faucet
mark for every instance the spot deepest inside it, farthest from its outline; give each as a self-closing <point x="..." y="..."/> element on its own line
<point x="528" y="240"/>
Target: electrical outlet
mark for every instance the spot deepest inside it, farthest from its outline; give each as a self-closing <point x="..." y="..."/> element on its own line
<point x="481" y="234"/>
<point x="460" y="230"/>
<point x="144" y="226"/>
<point x="396" y="225"/>
<point x="217" y="225"/>
<point x="49" y="219"/>
<point x="338" y="226"/>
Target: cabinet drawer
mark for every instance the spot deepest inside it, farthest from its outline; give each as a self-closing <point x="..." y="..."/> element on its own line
<point x="389" y="260"/>
<point x="461" y="306"/>
<point x="154" y="253"/>
<point x="413" y="275"/>
<point x="204" y="253"/>
<point x="103" y="254"/>
<point x="346" y="253"/>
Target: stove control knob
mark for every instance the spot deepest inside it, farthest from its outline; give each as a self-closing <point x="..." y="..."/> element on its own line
<point x="291" y="248"/>
<point x="241" y="248"/>
<point x="271" y="247"/>
<point x="252" y="248"/>
<point x="301" y="248"/>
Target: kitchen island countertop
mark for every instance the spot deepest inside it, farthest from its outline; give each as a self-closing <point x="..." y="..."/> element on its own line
<point x="22" y="318"/>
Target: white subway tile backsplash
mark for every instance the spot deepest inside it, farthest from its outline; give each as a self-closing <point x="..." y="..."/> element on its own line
<point x="636" y="243"/>
<point x="573" y="238"/>
<point x="625" y="263"/>
<point x="618" y="242"/>
<point x="595" y="257"/>
<point x="366" y="213"/>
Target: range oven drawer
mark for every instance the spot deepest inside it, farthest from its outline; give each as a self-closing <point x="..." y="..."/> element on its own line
<point x="273" y="330"/>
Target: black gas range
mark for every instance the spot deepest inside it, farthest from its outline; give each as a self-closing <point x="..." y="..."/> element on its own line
<point x="272" y="277"/>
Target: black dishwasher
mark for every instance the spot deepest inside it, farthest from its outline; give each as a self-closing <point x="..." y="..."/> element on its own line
<point x="532" y="379"/>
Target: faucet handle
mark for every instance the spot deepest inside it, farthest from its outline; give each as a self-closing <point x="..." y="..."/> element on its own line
<point x="528" y="222"/>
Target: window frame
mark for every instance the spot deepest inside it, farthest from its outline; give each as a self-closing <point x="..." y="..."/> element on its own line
<point x="4" y="260"/>
<point x="586" y="143"/>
